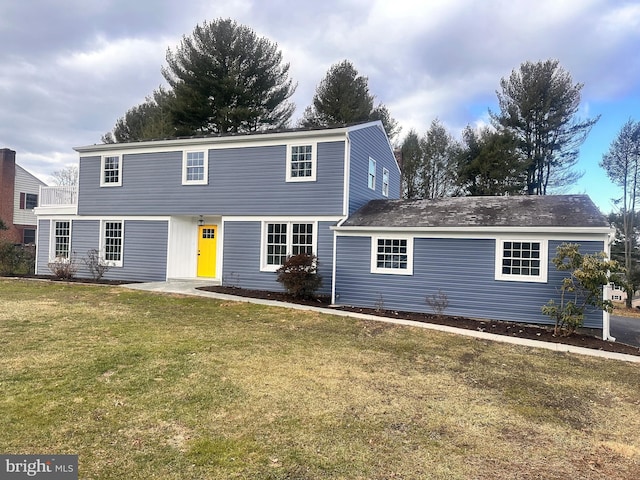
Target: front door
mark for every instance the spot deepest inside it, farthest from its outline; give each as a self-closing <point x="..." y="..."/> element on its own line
<point x="207" y="250"/>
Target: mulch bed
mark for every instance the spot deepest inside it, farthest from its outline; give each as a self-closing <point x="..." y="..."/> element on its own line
<point x="583" y="338"/>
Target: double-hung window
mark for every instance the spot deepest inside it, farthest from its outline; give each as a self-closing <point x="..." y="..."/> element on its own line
<point x="61" y="230"/>
<point x="372" y="174"/>
<point x="301" y="163"/>
<point x="281" y="239"/>
<point x="194" y="168"/>
<point x="112" y="242"/>
<point x="385" y="182"/>
<point x="521" y="260"/>
<point x="28" y="201"/>
<point x="392" y="255"/>
<point x="111" y="171"/>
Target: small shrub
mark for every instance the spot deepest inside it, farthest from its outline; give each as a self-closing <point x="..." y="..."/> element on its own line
<point x="379" y="305"/>
<point x="582" y="288"/>
<point x="438" y="302"/>
<point x="231" y="280"/>
<point x="63" y="268"/>
<point x="299" y="275"/>
<point x="17" y="259"/>
<point x="96" y="265"/>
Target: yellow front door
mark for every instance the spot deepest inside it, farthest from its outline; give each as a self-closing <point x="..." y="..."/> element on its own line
<point x="207" y="250"/>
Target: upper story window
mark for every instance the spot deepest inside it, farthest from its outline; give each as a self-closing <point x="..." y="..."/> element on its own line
<point x="28" y="201"/>
<point x="281" y="239"/>
<point x="385" y="182"/>
<point x="301" y="163"/>
<point x="194" y="168"/>
<point x="111" y="171"/>
<point x="392" y="255"/>
<point x="521" y="260"/>
<point x="372" y="174"/>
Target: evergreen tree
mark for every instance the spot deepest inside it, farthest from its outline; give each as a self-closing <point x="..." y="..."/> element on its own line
<point x="226" y="79"/>
<point x="343" y="98"/>
<point x="490" y="164"/>
<point x="438" y="171"/>
<point x="148" y="121"/>
<point x="411" y="166"/>
<point x="538" y="105"/>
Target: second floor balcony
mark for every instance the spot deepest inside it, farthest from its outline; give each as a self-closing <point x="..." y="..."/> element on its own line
<point x="62" y="198"/>
<point x="58" y="196"/>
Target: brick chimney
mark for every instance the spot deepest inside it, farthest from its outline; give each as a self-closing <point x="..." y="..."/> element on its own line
<point x="7" y="186"/>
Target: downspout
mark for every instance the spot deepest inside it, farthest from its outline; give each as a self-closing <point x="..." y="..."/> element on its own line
<point x="606" y="293"/>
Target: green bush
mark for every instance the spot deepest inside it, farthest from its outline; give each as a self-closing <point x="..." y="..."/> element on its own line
<point x="299" y="275"/>
<point x="17" y="259"/>
<point x="588" y="273"/>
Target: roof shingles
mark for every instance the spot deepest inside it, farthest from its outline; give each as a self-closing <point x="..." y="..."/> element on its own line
<point x="510" y="211"/>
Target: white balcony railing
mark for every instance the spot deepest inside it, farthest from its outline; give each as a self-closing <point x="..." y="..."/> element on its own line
<point x="58" y="196"/>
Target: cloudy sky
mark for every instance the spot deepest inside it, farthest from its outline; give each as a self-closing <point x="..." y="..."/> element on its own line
<point x="70" y="68"/>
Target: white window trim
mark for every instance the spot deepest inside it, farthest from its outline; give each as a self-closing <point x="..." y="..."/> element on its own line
<point x="544" y="260"/>
<point x="392" y="271"/>
<point x="52" y="237"/>
<point x="264" y="266"/>
<point x="102" y="246"/>
<point x="314" y="162"/>
<point x="375" y="173"/>
<point x="111" y="184"/>
<point x="205" y="180"/>
<point x="385" y="182"/>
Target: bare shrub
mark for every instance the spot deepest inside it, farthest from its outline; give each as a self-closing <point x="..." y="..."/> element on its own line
<point x="96" y="264"/>
<point x="379" y="305"/>
<point x="438" y="302"/>
<point x="64" y="268"/>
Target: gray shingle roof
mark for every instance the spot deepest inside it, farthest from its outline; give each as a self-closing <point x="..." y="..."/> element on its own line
<point x="512" y="211"/>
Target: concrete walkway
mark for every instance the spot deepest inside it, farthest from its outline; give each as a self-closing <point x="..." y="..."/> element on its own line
<point x="188" y="287"/>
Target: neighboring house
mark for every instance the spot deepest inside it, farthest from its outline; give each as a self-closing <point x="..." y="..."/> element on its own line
<point x="231" y="208"/>
<point x="617" y="293"/>
<point x="18" y="197"/>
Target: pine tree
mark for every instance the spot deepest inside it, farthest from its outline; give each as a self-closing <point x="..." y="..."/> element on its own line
<point x="343" y="98"/>
<point x="538" y="105"/>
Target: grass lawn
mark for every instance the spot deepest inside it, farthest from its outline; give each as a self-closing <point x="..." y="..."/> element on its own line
<point x="143" y="386"/>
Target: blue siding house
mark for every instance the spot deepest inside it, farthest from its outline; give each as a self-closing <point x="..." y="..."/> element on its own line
<point x="226" y="208"/>
<point x="231" y="208"/>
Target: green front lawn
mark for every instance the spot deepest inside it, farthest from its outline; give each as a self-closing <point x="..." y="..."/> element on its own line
<point x="144" y="385"/>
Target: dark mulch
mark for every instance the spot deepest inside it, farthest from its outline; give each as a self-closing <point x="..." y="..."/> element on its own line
<point x="584" y="338"/>
<point x="102" y="281"/>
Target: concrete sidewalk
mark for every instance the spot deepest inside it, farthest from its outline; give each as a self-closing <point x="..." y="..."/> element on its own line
<point x="189" y="287"/>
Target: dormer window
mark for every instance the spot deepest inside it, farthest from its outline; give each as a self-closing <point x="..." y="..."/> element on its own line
<point x="301" y="163"/>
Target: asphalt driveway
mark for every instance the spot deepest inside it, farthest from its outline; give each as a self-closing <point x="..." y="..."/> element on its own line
<point x="626" y="330"/>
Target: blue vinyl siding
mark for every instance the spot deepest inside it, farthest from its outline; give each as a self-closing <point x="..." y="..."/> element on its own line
<point x="464" y="269"/>
<point x="241" y="262"/>
<point x="370" y="142"/>
<point x="144" y="249"/>
<point x="43" y="232"/>
<point x="241" y="181"/>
